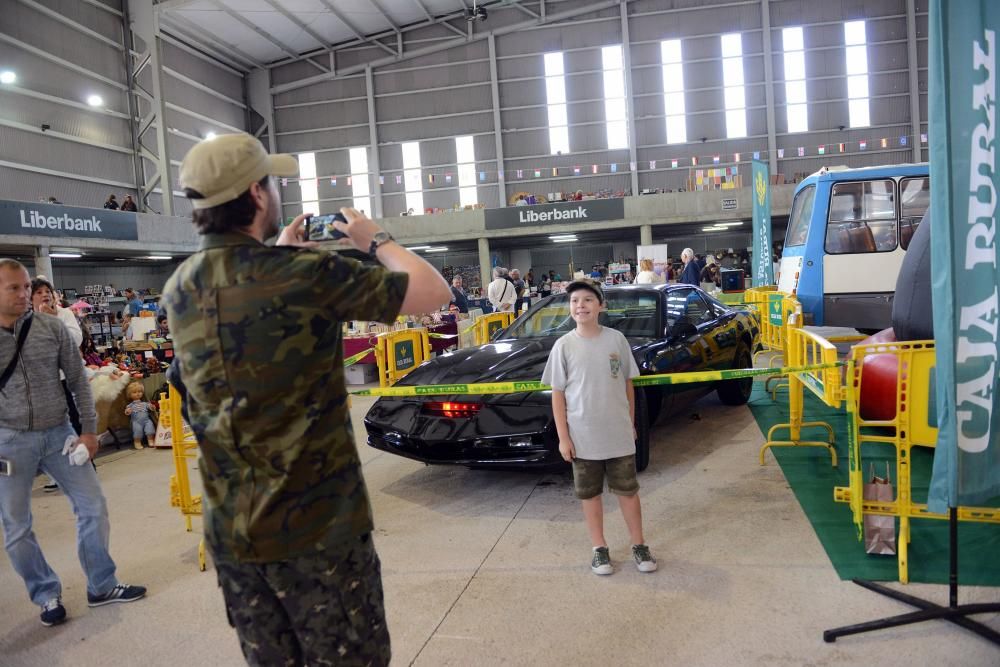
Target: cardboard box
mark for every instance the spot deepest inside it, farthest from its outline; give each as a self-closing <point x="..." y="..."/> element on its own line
<point x="361" y="374"/>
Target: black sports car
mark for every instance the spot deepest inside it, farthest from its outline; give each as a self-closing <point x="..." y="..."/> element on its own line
<point x="671" y="328"/>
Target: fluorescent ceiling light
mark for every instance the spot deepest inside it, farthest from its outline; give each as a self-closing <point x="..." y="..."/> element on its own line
<point x="569" y="240"/>
<point x="210" y="135"/>
<point x="418" y="247"/>
<point x="65" y="255"/>
<point x="7" y="77"/>
<point x="159" y="257"/>
<point x="562" y="236"/>
<point x="728" y="224"/>
<point x="442" y="249"/>
<point x="95" y="101"/>
<point x="713" y="229"/>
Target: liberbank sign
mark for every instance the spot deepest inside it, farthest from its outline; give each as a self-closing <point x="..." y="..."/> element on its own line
<point x="594" y="210"/>
<point x="66" y="222"/>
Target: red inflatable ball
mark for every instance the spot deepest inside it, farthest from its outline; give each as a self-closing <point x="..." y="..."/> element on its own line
<point x="878" y="380"/>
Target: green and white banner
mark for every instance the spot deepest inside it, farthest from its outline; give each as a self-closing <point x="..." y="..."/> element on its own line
<point x="763" y="266"/>
<point x="965" y="264"/>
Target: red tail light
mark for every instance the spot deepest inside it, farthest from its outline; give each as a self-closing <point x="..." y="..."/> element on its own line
<point x="453" y="410"/>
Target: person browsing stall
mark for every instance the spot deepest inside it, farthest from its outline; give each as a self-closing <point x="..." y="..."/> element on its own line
<point x="458" y="297"/>
<point x="257" y="334"/>
<point x="691" y="275"/>
<point x="590" y="370"/>
<point x="500" y="292"/>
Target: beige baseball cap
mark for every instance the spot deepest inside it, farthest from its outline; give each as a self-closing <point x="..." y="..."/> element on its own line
<point x="225" y="167"/>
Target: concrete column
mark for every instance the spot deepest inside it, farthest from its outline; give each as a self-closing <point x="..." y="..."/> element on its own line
<point x="259" y="99"/>
<point x="485" y="265"/>
<point x="497" y="137"/>
<point x="646" y="235"/>
<point x="772" y="142"/>
<point x="374" y="166"/>
<point x="911" y="57"/>
<point x="43" y="264"/>
<point x="629" y="106"/>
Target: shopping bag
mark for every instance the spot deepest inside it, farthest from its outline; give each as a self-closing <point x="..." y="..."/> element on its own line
<point x="164" y="437"/>
<point x="880" y="531"/>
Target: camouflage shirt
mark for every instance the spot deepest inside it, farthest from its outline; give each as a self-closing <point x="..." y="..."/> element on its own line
<point x="257" y="332"/>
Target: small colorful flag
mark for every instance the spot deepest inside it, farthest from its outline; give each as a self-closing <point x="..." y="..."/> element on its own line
<point x="902" y="141"/>
<point x="500" y="174"/>
<point x="520" y="173"/>
<point x="652" y="164"/>
<point x="694" y="162"/>
<point x="399" y="179"/>
<point x="381" y="180"/>
<point x="614" y="168"/>
<point x="821" y="150"/>
<point x="350" y="180"/>
<point x="284" y="182"/>
<point x="576" y="171"/>
<point x="482" y="176"/>
<point x="593" y="168"/>
<point x="885" y="142"/>
<point x="715" y="159"/>
<point x="447" y="177"/>
<point x="923" y="138"/>
<point x="842" y="147"/>
<point x="863" y="145"/>
<point x="632" y="166"/>
<point x="802" y="151"/>
<point x="333" y="181"/>
<point x="673" y="164"/>
<point x="430" y="178"/>
<point x="736" y="157"/>
<point x="756" y="155"/>
<point x="538" y="173"/>
<point x="555" y="171"/>
<point x="781" y="153"/>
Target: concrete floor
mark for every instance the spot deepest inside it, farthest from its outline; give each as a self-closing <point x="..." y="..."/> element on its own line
<point x="485" y="568"/>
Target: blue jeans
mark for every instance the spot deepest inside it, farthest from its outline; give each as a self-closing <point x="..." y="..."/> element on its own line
<point x="30" y="451"/>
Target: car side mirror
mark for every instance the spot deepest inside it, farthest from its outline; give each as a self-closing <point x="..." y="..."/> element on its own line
<point x="683" y="329"/>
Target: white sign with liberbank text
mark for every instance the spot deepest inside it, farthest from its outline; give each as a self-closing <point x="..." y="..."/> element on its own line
<point x="66" y="222"/>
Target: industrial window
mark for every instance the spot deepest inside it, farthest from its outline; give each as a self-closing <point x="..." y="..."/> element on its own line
<point x="307" y="183"/>
<point x="673" y="91"/>
<point x="862" y="217"/>
<point x="465" y="157"/>
<point x="795" y="80"/>
<point x="555" y="97"/>
<point x="360" y="187"/>
<point x="732" y="81"/>
<point x="856" y="50"/>
<point x="413" y="181"/>
<point x="614" y="96"/>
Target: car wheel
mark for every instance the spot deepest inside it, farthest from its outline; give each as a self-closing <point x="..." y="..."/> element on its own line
<point x="642" y="430"/>
<point x="737" y="392"/>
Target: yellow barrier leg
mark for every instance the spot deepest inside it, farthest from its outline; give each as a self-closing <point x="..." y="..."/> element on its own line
<point x="795" y="426"/>
<point x="902" y="549"/>
<point x="202" y="564"/>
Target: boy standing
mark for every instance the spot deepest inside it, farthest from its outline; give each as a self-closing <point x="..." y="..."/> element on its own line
<point x="590" y="371"/>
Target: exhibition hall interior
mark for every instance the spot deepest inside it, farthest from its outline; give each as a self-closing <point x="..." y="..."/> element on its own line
<point x="328" y="285"/>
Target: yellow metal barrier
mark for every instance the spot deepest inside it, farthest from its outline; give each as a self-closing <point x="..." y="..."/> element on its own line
<point x="487" y="325"/>
<point x="399" y="352"/>
<point x="911" y="427"/>
<point x="806" y="348"/>
<point x="183" y="445"/>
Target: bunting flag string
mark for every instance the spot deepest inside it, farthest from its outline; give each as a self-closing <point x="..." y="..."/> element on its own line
<point x="903" y="142"/>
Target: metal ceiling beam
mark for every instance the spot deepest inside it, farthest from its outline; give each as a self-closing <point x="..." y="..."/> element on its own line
<point x="442" y="20"/>
<point x="171" y="4"/>
<point x="381" y="10"/>
<point x="524" y="9"/>
<point x="350" y="26"/>
<point x="207" y="40"/>
<point x="297" y="21"/>
<point x="450" y="44"/>
<point x="265" y="34"/>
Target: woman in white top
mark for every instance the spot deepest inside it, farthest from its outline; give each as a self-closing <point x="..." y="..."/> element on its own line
<point x="646" y="275"/>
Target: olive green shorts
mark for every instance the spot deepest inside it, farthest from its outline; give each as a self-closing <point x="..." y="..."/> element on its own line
<point x="589" y="476"/>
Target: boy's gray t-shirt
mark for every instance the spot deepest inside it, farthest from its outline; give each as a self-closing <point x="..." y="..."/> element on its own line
<point x="592" y="372"/>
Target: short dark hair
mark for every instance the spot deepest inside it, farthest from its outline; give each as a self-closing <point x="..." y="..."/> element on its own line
<point x="39" y="282"/>
<point x="236" y="214"/>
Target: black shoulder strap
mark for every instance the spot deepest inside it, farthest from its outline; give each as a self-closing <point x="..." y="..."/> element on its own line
<point x="17" y="353"/>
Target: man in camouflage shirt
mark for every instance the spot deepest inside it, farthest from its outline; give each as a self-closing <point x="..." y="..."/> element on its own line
<point x="257" y="335"/>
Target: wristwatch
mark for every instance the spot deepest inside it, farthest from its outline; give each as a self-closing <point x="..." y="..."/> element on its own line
<point x="379" y="239"/>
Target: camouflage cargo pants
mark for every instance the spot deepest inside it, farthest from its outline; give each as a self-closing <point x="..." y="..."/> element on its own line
<point x="318" y="610"/>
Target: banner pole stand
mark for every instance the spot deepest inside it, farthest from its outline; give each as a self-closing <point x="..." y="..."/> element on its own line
<point x="954" y="612"/>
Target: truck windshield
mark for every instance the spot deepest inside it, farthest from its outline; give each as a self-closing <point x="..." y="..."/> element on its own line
<point x="799" y="218"/>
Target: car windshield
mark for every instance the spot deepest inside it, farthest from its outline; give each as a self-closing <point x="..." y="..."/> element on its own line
<point x="632" y="312"/>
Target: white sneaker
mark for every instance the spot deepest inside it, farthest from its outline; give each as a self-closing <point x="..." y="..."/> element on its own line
<point x="644" y="560"/>
<point x="601" y="562"/>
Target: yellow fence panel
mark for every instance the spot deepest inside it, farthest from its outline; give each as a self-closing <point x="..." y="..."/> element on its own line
<point x="399" y="352"/>
<point x="487" y="325"/>
<point x="183" y="445"/>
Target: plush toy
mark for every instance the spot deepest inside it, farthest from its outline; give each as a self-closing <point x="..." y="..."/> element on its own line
<point x="108" y="386"/>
